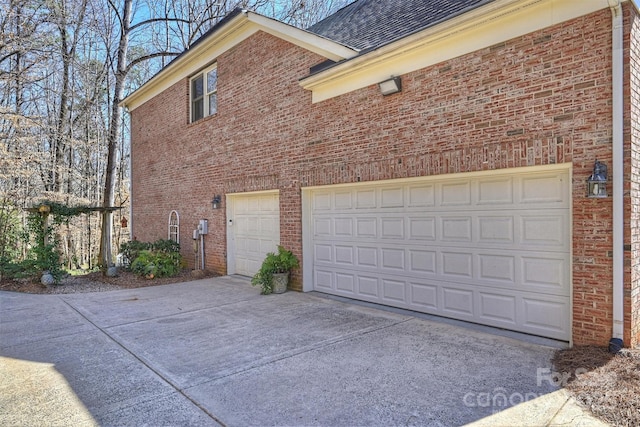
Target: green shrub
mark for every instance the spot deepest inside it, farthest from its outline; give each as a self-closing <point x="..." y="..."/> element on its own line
<point x="282" y="262"/>
<point x="131" y="250"/>
<point x="166" y="246"/>
<point x="28" y="268"/>
<point x="158" y="259"/>
<point x="151" y="264"/>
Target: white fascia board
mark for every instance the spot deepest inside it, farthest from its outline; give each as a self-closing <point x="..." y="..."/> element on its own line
<point x="305" y="39"/>
<point x="234" y="32"/>
<point x="486" y="26"/>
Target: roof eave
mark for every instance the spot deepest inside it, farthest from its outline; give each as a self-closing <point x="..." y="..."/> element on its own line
<point x="385" y="60"/>
<point x="235" y="30"/>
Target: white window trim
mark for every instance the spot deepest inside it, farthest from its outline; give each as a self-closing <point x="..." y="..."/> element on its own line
<point x="174" y="225"/>
<point x="205" y="95"/>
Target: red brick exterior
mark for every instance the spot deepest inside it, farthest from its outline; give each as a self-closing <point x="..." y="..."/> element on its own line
<point x="540" y="99"/>
<point x="633" y="119"/>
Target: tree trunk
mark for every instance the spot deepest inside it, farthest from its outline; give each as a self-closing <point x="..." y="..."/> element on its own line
<point x="106" y="253"/>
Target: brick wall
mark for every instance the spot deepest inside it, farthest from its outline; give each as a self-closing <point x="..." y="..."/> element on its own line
<point x="543" y="98"/>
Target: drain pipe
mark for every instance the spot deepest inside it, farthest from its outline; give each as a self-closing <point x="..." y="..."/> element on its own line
<point x="616" y="342"/>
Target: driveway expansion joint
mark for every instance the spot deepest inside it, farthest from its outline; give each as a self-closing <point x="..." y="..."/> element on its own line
<point x="145" y="364"/>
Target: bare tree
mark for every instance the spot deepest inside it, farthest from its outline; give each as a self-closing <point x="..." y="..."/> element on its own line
<point x="64" y="67"/>
<point x="188" y="20"/>
<point x="302" y="13"/>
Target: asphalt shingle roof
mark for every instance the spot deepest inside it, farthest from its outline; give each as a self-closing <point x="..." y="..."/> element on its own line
<point x="367" y="24"/>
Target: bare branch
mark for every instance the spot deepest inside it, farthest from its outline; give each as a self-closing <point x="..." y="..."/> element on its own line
<point x="152" y="20"/>
<point x="148" y="57"/>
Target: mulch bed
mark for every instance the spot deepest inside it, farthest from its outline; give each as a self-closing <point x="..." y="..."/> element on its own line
<point x="606" y="384"/>
<point x="124" y="280"/>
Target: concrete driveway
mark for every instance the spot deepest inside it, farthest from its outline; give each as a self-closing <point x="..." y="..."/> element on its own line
<point x="215" y="352"/>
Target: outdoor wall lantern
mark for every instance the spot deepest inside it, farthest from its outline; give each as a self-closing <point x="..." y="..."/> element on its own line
<point x="393" y="85"/>
<point x="597" y="182"/>
<point x="216" y="202"/>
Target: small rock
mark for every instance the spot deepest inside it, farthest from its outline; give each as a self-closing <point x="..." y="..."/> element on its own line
<point x="112" y="271"/>
<point x="47" y="279"/>
<point x="198" y="274"/>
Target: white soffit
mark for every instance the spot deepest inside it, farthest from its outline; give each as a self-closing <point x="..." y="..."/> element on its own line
<point x="486" y="26"/>
<point x="231" y="34"/>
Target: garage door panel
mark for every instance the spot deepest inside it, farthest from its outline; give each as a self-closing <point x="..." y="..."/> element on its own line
<point x="544" y="230"/>
<point x="422" y="262"/>
<point x="323" y="253"/>
<point x="541" y="314"/>
<point x="421" y="196"/>
<point x="368" y="286"/>
<point x="455" y="194"/>
<point x="501" y="268"/>
<point x="322" y="227"/>
<point x="423" y="297"/>
<point x="456" y="265"/>
<point x="457" y="302"/>
<point x="497" y="230"/>
<point x="543" y="189"/>
<point x="345" y="283"/>
<point x="365" y="199"/>
<point x="497" y="191"/>
<point x="393" y="259"/>
<point x="392" y="197"/>
<point x="492" y="250"/>
<point x="343" y="200"/>
<point x="394" y="291"/>
<point x="392" y="228"/>
<point x="545" y="274"/>
<point x="422" y="228"/>
<point x="366" y="227"/>
<point x="545" y="317"/>
<point x="253" y="204"/>
<point x="367" y="257"/>
<point x="323" y="280"/>
<point x="267" y="223"/>
<point x="456" y="229"/>
<point x="321" y="201"/>
<point x="497" y="309"/>
<point x="343" y="227"/>
<point x="254" y="229"/>
<point x="345" y="255"/>
<point x="511" y="229"/>
<point x="539" y="272"/>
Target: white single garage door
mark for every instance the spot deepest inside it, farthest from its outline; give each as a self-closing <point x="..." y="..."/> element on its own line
<point x="491" y="248"/>
<point x="253" y="229"/>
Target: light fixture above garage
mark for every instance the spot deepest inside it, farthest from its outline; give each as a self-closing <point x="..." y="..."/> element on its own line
<point x="597" y="182"/>
<point x="393" y="85"/>
<point x="216" y="202"/>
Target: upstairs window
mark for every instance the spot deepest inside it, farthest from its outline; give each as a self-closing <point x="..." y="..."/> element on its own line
<point x="204" y="94"/>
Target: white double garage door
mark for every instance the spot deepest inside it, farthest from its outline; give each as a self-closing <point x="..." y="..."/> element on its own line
<point x="490" y="248"/>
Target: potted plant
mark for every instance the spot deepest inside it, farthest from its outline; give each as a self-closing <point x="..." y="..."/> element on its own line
<point x="273" y="275"/>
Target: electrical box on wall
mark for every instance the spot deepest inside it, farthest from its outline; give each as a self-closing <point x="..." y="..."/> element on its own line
<point x="203" y="226"/>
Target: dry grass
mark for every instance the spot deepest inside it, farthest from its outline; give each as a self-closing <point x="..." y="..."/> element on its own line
<point x="606" y="384"/>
